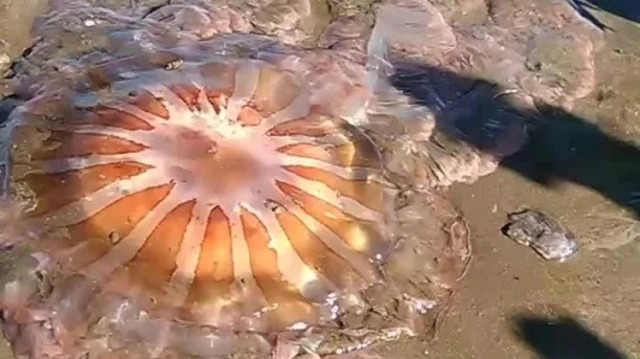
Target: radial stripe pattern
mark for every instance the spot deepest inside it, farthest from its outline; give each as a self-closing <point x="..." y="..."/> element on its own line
<point x="215" y="190"/>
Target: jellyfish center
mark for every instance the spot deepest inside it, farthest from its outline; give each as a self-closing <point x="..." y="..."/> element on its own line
<point x="212" y="163"/>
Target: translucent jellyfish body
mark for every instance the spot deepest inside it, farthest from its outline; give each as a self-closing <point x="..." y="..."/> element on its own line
<point x="216" y="195"/>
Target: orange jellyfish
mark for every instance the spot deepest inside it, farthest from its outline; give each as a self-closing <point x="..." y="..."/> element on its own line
<point x="214" y="193"/>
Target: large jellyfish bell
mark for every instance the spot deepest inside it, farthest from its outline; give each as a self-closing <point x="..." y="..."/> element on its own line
<point x="215" y="193"/>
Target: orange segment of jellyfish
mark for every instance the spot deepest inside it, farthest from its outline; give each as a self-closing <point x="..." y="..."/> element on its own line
<point x="315" y="125"/>
<point x="289" y="306"/>
<point x="106" y="116"/>
<point x="52" y="191"/>
<point x="66" y="145"/>
<point x="360" y="235"/>
<point x="146" y="101"/>
<point x="275" y="91"/>
<point x="367" y="193"/>
<point x="92" y="238"/>
<point x="249" y="116"/>
<point x="217" y="99"/>
<point x="147" y="276"/>
<point x="209" y="290"/>
<point x="356" y="152"/>
<point x="317" y="255"/>
<point x="220" y="78"/>
<point x="188" y="93"/>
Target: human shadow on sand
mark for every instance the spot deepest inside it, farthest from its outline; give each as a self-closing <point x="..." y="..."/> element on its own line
<point x="562" y="338"/>
<point x="626" y="9"/>
<point x="560" y="146"/>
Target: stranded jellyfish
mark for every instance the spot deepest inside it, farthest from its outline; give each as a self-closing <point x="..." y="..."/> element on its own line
<point x="214" y="193"/>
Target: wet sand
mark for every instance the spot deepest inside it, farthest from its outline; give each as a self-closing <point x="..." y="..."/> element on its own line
<point x="509" y="287"/>
<point x="599" y="288"/>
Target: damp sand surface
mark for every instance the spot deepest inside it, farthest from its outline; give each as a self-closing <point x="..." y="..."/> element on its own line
<point x="513" y="304"/>
<point x="509" y="289"/>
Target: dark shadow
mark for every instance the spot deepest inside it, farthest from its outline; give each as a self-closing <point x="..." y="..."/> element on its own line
<point x="563" y="147"/>
<point x="6" y="107"/>
<point x="560" y="146"/>
<point x="585" y="10"/>
<point x="627" y="9"/>
<point x="562" y="338"/>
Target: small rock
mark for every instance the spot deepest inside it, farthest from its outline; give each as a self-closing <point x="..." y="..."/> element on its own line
<point x="545" y="235"/>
